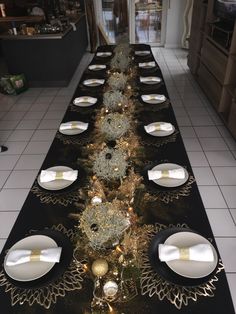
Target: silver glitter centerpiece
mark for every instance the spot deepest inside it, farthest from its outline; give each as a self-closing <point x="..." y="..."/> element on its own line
<point x="114" y="125"/>
<point x="103" y="224"/>
<point x="117" y="81"/>
<point x="110" y="164"/>
<point x="114" y="99"/>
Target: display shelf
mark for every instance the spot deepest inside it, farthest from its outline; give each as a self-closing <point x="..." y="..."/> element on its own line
<point x="33" y="18"/>
<point x="212" y="64"/>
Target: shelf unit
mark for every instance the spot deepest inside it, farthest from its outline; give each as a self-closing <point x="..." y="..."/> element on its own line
<point x="212" y="64"/>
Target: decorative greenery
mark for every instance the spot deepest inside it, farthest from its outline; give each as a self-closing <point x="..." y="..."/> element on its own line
<point x="114" y="100"/>
<point x="103" y="224"/>
<point x="110" y="164"/>
<point x="120" y="61"/>
<point x="117" y="81"/>
<point x="114" y="125"/>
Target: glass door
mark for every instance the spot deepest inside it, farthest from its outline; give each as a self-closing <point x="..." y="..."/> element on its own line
<point x="148" y="21"/>
<point x="134" y="21"/>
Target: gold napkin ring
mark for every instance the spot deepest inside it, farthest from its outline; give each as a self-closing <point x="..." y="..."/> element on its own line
<point x="157" y="127"/>
<point x="59" y="175"/>
<point x="74" y="125"/>
<point x="35" y="255"/>
<point x="165" y="173"/>
<point x="184" y="254"/>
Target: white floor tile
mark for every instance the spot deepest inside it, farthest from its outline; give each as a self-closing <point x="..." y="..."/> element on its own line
<point x="4" y="174"/>
<point x="7" y="220"/>
<point x="14" y="115"/>
<point x="229" y="193"/>
<point x="232" y="285"/>
<point x="39" y="107"/>
<point x="30" y="162"/>
<point x="187" y="132"/>
<point x="207" y="131"/>
<point x="201" y="120"/>
<point x="224" y="131"/>
<point x="233" y="213"/>
<point x="225" y="175"/>
<point x="37" y="148"/>
<point x="2" y="243"/>
<point x="8" y="124"/>
<point x="213" y="144"/>
<point x="221" y="158"/>
<point x="183" y="121"/>
<point x="221" y="222"/>
<point x="34" y="115"/>
<point x="44" y="135"/>
<point x="21" y="135"/>
<point x="204" y="176"/>
<point x="21" y="179"/>
<point x="226" y="247"/>
<point x="21" y="107"/>
<point x="4" y="135"/>
<point x="28" y="124"/>
<point x="44" y="100"/>
<point x="14" y="148"/>
<point x="230" y="142"/>
<point x="198" y="159"/>
<point x="7" y="162"/>
<point x="212" y="197"/>
<point x="54" y="115"/>
<point x="49" y="124"/>
<point x="192" y="145"/>
<point x="12" y="199"/>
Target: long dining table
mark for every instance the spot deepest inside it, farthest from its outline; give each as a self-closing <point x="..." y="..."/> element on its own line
<point x="68" y="287"/>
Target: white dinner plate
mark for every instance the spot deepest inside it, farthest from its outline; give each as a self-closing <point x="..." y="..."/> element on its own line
<point x="190" y="269"/>
<point x="31" y="270"/>
<point x="97" y="67"/>
<point x="147" y="65"/>
<point x="142" y="52"/>
<point x="56" y="184"/>
<point x="84" y="101"/>
<point x="153" y="99"/>
<point x="94" y="82"/>
<point x="104" y="54"/>
<point x="72" y="131"/>
<point x="150" y="80"/>
<point x="170" y="182"/>
<point x="161" y="133"/>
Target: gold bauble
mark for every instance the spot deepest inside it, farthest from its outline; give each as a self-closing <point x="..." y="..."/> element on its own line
<point x="100" y="267"/>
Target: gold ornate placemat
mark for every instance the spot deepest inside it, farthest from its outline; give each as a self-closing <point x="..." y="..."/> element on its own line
<point x="152" y="284"/>
<point x="46" y="296"/>
<point x="63" y="198"/>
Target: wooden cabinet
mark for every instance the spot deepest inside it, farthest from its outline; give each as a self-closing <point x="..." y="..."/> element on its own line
<point x="213" y="65"/>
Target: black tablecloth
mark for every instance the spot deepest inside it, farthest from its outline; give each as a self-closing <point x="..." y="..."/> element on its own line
<point x="189" y="210"/>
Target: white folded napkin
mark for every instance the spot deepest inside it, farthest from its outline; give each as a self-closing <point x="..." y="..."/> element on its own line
<point x="97" y="66"/>
<point x="88" y="99"/>
<point x="49" y="175"/>
<point x="142" y="52"/>
<point x="199" y="252"/>
<point x="93" y="81"/>
<point x="173" y="174"/>
<point x="158" y="127"/>
<point x="17" y="257"/>
<point x="146" y="64"/>
<point x="153" y="97"/>
<point x="74" y="125"/>
<point x="104" y="54"/>
<point x="144" y="79"/>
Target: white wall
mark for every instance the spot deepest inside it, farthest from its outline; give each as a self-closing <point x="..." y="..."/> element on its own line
<point x="174" y="23"/>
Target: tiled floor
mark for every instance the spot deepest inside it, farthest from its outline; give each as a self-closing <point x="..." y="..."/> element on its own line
<point x="28" y="124"/>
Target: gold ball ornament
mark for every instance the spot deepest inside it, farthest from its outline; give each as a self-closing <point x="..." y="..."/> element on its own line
<point x="100" y="267"/>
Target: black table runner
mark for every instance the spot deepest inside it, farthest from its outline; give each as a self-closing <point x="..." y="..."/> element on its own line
<point x="179" y="207"/>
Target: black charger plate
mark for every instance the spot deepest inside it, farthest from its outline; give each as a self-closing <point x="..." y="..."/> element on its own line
<point x="58" y="269"/>
<point x="161" y="267"/>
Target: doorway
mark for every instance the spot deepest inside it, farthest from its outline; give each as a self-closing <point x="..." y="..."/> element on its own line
<point x="135" y="21"/>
